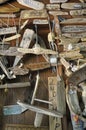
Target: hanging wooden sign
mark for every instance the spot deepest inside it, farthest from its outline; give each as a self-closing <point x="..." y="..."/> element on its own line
<point x="73" y="5"/>
<point x="8" y="30"/>
<point x="78" y="12"/>
<point x="53" y="6"/>
<point x="73" y="28"/>
<point x="58" y="1"/>
<point x="25" y="14"/>
<point x="74" y="21"/>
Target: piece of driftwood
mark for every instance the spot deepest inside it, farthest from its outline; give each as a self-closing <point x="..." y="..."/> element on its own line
<point x="36" y="5"/>
<point x="11" y="38"/>
<point x="41" y="110"/>
<point x="40" y="21"/>
<point x="58" y="1"/>
<point x="74" y="21"/>
<point x="4" y="9"/>
<point x="37" y="66"/>
<point x="53" y="6"/>
<point x="25" y="14"/>
<point x="37" y="50"/>
<point x="73" y="5"/>
<point x="78" y="12"/>
<point x="72" y="54"/>
<point x="9" y="15"/>
<point x="73" y="28"/>
<point x="15" y="85"/>
<point x="13" y="110"/>
<point x="25" y="43"/>
<point x="8" y="30"/>
<point x="12" y="51"/>
<point x="19" y="71"/>
<point x="59" y="12"/>
<point x="75" y="35"/>
<point x="78" y="76"/>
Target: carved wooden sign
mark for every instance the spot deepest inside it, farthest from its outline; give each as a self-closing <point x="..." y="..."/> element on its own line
<point x="25" y="14"/>
<point x="73" y="5"/>
<point x="73" y="28"/>
<point x="58" y="1"/>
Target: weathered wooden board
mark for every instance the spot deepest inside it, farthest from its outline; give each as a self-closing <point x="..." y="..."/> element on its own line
<point x="73" y="28"/>
<point x="75" y="35"/>
<point x="8" y="30"/>
<point x="9" y="10"/>
<point x="11" y="37"/>
<point x="36" y="5"/>
<point x="53" y="6"/>
<point x="40" y="21"/>
<point x="74" y="21"/>
<point x="25" y="14"/>
<point x="78" y="12"/>
<point x="58" y="1"/>
<point x="73" y="5"/>
<point x="54" y="13"/>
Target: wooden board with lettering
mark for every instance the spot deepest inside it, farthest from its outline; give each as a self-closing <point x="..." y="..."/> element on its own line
<point x="73" y="5"/>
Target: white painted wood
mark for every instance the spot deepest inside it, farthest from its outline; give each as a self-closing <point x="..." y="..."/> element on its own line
<point x="8" y="30"/>
<point x="40" y="21"/>
<point x="78" y="12"/>
<point x="25" y="14"/>
<point x="73" y="5"/>
<point x="58" y="13"/>
<point x="75" y="35"/>
<point x="58" y="1"/>
<point x="11" y="38"/>
<point x="53" y="6"/>
<point x="32" y="4"/>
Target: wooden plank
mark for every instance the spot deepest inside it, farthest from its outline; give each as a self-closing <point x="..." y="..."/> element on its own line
<point x="73" y="28"/>
<point x="75" y="35"/>
<point x="58" y="1"/>
<point x="78" y="12"/>
<point x="73" y="5"/>
<point x="53" y="6"/>
<point x="25" y="14"/>
<point x="74" y="21"/>
<point x="8" y="30"/>
<point x="54" y="13"/>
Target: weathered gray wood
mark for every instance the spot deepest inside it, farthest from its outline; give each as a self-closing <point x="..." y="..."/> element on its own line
<point x="15" y="85"/>
<point x="36" y="5"/>
<point x="78" y="12"/>
<point x="25" y="14"/>
<point x="37" y="50"/>
<point x="75" y="35"/>
<point x="41" y="110"/>
<point x="73" y="28"/>
<point x="58" y="1"/>
<point x="73" y="5"/>
<point x="8" y="30"/>
<point x="53" y="6"/>
<point x="54" y="13"/>
<point x="40" y="21"/>
<point x="74" y="21"/>
<point x="11" y="38"/>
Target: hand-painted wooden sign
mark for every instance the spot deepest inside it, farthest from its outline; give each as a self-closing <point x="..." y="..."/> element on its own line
<point x="75" y="35"/>
<point x="40" y="21"/>
<point x="74" y="21"/>
<point x="73" y="5"/>
<point x="36" y="5"/>
<point x="58" y="1"/>
<point x="73" y="28"/>
<point x="58" y="13"/>
<point x="53" y="6"/>
<point x="25" y="14"/>
<point x="78" y="12"/>
<point x="8" y="30"/>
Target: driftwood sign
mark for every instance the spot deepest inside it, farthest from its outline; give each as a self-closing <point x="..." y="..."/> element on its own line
<point x="75" y="35"/>
<point x="8" y="30"/>
<point x="73" y="5"/>
<point x="54" y="13"/>
<point x="58" y="1"/>
<point x="74" y="21"/>
<point x="53" y="6"/>
<point x="73" y="28"/>
<point x="40" y="21"/>
<point x="25" y="14"/>
<point x="78" y="12"/>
